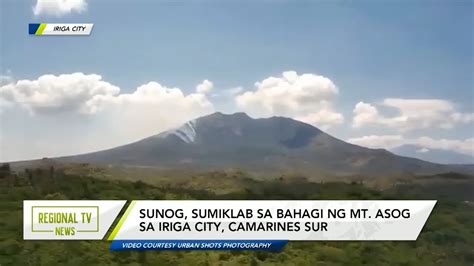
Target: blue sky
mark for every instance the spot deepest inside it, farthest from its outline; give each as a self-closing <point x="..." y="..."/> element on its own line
<point x="371" y="51"/>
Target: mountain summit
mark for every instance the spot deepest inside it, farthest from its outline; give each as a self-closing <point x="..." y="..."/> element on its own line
<point x="266" y="145"/>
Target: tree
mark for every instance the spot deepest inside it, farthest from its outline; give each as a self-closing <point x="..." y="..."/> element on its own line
<point x="5" y="170"/>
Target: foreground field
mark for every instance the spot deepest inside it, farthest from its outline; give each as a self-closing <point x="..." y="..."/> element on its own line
<point x="447" y="238"/>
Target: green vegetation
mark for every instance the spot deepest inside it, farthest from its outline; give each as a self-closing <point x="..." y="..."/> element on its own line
<point x="447" y="239"/>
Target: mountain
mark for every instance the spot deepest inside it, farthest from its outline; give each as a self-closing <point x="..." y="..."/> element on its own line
<point x="270" y="145"/>
<point x="433" y="155"/>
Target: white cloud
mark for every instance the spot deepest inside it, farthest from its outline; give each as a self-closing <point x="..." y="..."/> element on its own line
<point x="365" y="114"/>
<point x="205" y="87"/>
<point x="462" y="117"/>
<point x="227" y="94"/>
<point x="58" y="7"/>
<point x="412" y="114"/>
<point x="465" y="146"/>
<point x="376" y="141"/>
<point x="50" y="93"/>
<point x="235" y="91"/>
<point x="153" y="94"/>
<point x="4" y="80"/>
<point x="82" y="113"/>
<point x="306" y="97"/>
<point x="423" y="150"/>
<point x="89" y="94"/>
<point x="324" y="118"/>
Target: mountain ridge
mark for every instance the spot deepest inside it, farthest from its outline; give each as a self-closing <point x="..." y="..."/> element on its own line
<point x="263" y="145"/>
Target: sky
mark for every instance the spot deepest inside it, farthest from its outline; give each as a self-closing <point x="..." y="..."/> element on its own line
<point x="375" y="74"/>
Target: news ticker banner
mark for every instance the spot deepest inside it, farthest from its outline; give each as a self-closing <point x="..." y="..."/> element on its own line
<point x="39" y="29"/>
<point x="224" y="224"/>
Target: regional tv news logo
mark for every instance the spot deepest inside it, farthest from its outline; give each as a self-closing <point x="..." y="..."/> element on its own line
<point x="65" y="220"/>
<point x="39" y="29"/>
<point x="69" y="219"/>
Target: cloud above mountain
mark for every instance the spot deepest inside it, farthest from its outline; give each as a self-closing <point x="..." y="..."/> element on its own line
<point x="63" y="93"/>
<point x="305" y="97"/>
<point x="51" y="107"/>
<point x="465" y="146"/>
<point x="411" y="114"/>
<point x="58" y="8"/>
<point x="205" y="87"/>
<point x="88" y="93"/>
